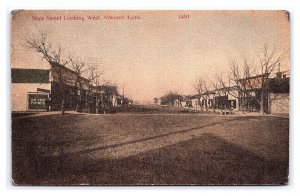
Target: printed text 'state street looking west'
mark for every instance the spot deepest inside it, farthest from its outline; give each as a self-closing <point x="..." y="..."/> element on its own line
<point x="84" y="18"/>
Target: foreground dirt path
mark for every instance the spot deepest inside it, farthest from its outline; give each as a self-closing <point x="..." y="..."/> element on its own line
<point x="145" y="149"/>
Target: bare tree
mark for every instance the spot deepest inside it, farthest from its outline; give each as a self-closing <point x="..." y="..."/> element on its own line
<point x="174" y="98"/>
<point x="178" y="98"/>
<point x="155" y="100"/>
<point x="222" y="91"/>
<point x="238" y="74"/>
<point x="79" y="67"/>
<point x="247" y="81"/>
<point x="168" y="99"/>
<point x="53" y="55"/>
<point x="268" y="60"/>
<point x="107" y="95"/>
<point x="93" y="77"/>
<point x="96" y="89"/>
<point x="207" y="95"/>
<point x="199" y="86"/>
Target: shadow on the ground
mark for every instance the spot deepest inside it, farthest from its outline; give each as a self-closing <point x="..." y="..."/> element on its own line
<point x="207" y="159"/>
<point x="155" y="109"/>
<point x="35" y="125"/>
<point x="154" y="137"/>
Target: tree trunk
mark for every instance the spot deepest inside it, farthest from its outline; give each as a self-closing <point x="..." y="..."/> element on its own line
<point x="262" y="103"/>
<point x="200" y="104"/>
<point x="63" y="105"/>
<point x="79" y="106"/>
<point x="78" y="101"/>
<point x="97" y="105"/>
<point x="214" y="105"/>
<point x="206" y="105"/>
<point x="242" y="103"/>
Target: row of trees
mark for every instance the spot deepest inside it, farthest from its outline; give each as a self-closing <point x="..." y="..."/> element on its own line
<point x="174" y="98"/>
<point x="245" y="75"/>
<point x="59" y="61"/>
<point x="249" y="77"/>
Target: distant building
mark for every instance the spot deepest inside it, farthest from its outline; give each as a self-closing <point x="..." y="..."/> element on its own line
<point x="279" y="88"/>
<point x="275" y="93"/>
<point x="247" y="96"/>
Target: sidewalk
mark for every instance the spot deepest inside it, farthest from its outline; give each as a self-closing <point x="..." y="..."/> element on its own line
<point x="36" y="114"/>
<point x="281" y="115"/>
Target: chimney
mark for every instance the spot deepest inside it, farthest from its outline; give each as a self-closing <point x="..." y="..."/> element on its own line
<point x="278" y="74"/>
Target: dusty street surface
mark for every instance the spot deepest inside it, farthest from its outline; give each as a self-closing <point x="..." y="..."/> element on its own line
<point x="130" y="148"/>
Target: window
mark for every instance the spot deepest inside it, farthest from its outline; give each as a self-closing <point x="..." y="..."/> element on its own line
<point x="30" y="76"/>
<point x="233" y="103"/>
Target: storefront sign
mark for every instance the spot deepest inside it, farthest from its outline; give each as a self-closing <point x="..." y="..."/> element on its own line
<point x="37" y="102"/>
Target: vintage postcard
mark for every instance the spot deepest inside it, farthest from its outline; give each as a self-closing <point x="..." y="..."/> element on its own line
<point x="147" y="97"/>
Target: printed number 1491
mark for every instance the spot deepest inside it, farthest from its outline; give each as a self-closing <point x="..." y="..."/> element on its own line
<point x="184" y="16"/>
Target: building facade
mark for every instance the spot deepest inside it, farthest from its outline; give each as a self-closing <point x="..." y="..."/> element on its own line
<point x="253" y="94"/>
<point x="30" y="89"/>
<point x="50" y="89"/>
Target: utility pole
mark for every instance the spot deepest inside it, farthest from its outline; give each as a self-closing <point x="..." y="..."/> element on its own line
<point x="123" y="94"/>
<point x="123" y="91"/>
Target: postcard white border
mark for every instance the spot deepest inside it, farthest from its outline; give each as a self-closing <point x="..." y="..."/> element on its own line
<point x="290" y="5"/>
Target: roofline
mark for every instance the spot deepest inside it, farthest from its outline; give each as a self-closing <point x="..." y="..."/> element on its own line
<point x="226" y="87"/>
<point x="252" y="77"/>
<point x="68" y="69"/>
